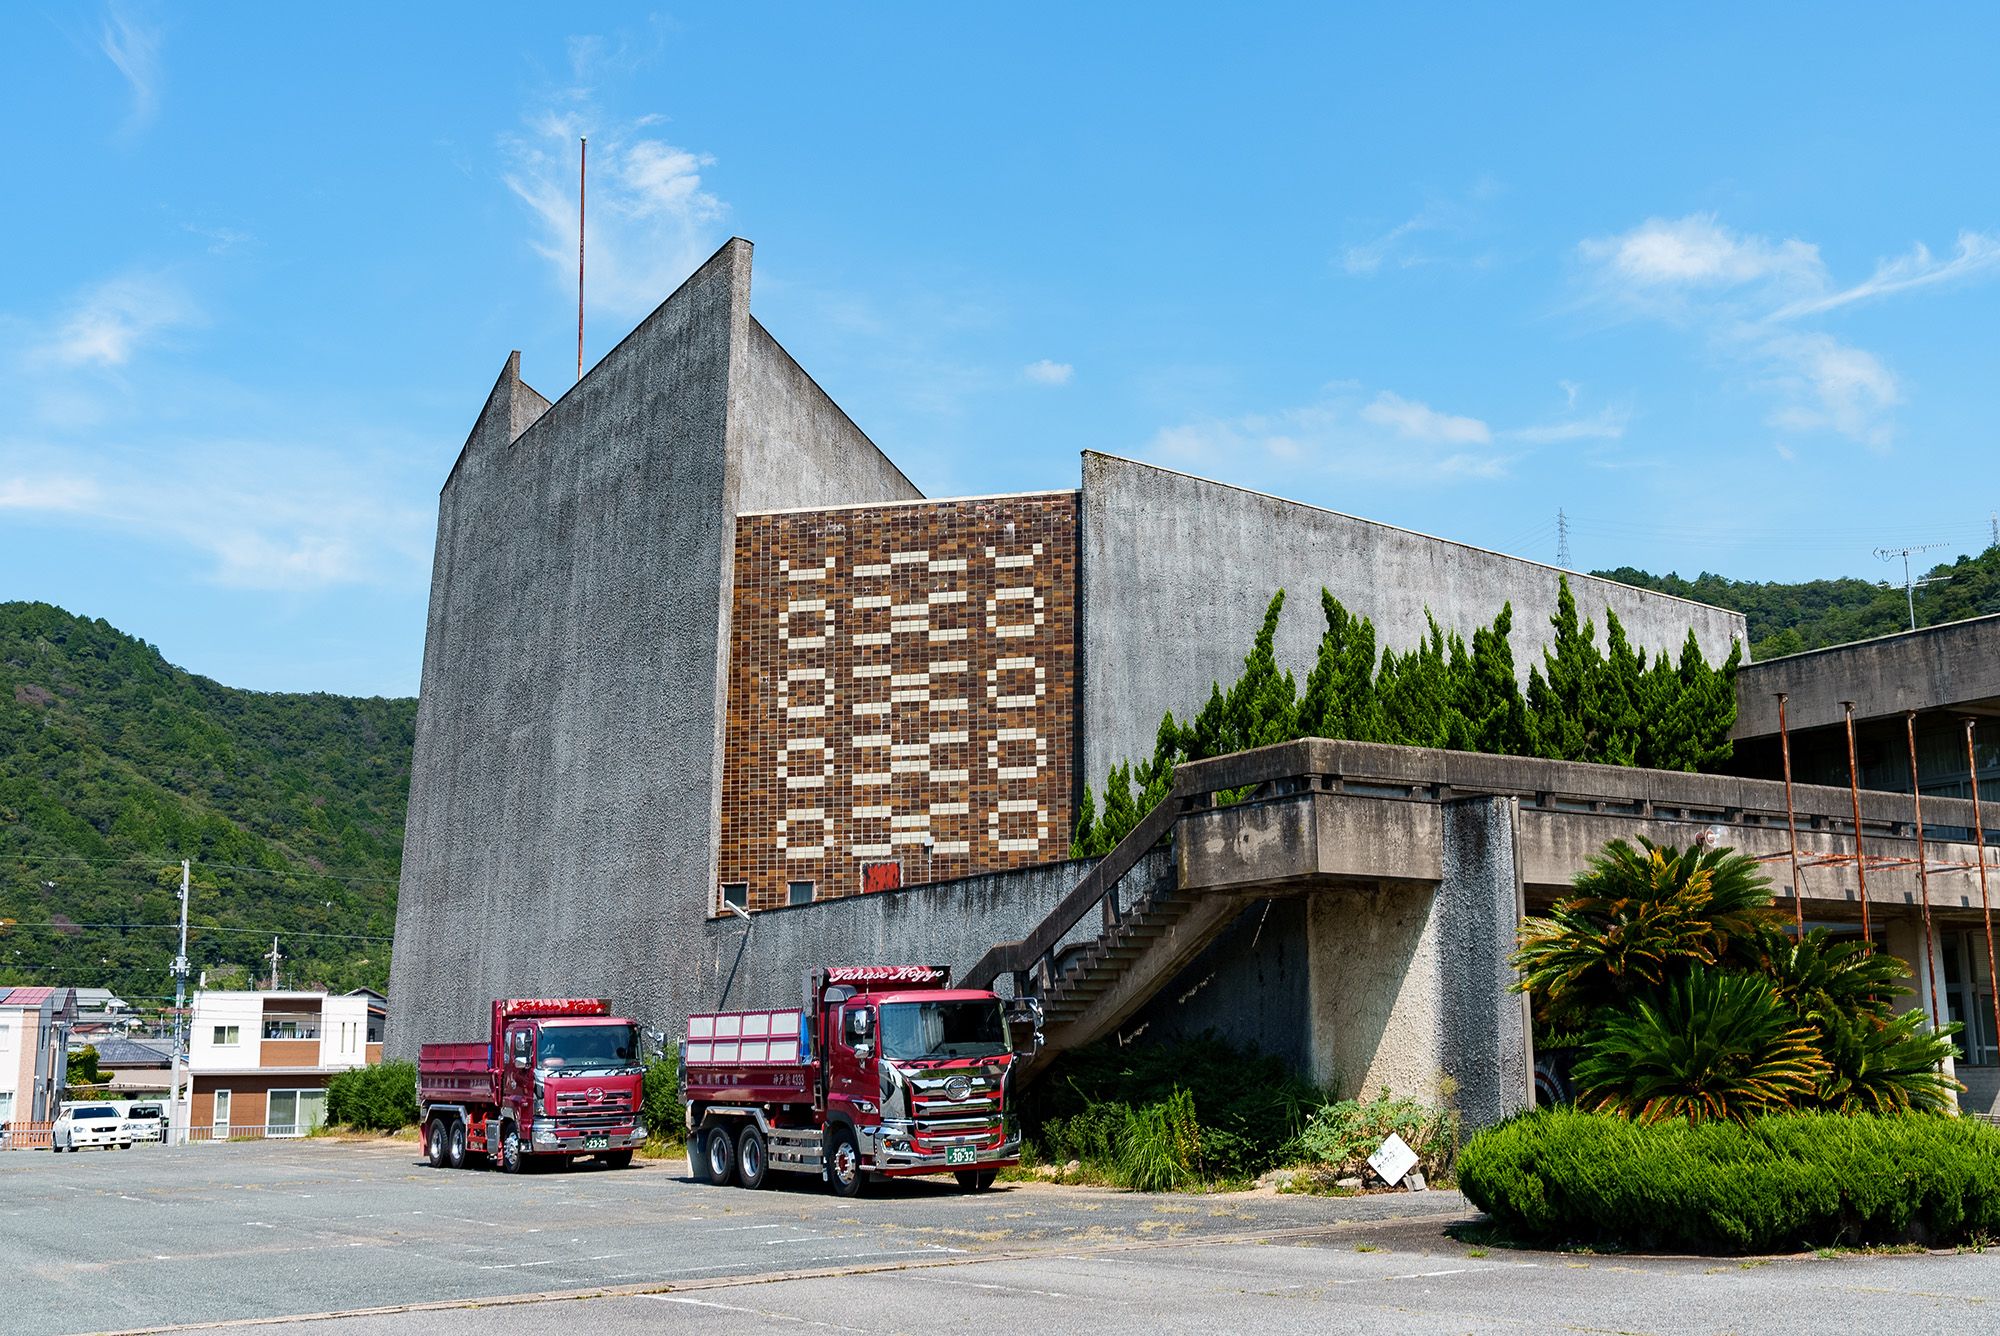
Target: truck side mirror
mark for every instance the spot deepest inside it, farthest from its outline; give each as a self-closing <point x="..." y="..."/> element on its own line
<point x="864" y="1051"/>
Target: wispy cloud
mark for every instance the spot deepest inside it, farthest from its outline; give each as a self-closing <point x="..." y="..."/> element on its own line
<point x="1748" y="297"/>
<point x="109" y="322"/>
<point x="1386" y="437"/>
<point x="1046" y="372"/>
<point x="1443" y="221"/>
<point x="1605" y="425"/>
<point x="134" y="47"/>
<point x="651" y="220"/>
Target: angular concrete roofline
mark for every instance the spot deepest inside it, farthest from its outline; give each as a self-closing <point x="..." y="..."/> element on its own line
<point x="1417" y="533"/>
<point x="912" y="501"/>
<point x="847" y="417"/>
<point x="1938" y="628"/>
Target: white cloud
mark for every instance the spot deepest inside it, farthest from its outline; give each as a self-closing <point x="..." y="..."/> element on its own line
<point x="649" y="223"/>
<point x="1977" y="254"/>
<point x="1445" y="220"/>
<point x="134" y="47"/>
<point x="1698" y="251"/>
<point x="109" y="322"/>
<point x="1747" y="296"/>
<point x="1420" y="422"/>
<point x="1387" y="438"/>
<point x="56" y="494"/>
<point x="1606" y="425"/>
<point x="1046" y="372"/>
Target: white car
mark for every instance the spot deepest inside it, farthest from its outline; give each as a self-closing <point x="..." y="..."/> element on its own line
<point x="146" y="1122"/>
<point x="81" y="1125"/>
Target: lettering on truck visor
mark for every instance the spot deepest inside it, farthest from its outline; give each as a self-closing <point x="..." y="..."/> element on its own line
<point x="888" y="974"/>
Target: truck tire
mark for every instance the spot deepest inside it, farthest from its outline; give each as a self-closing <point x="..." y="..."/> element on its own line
<point x="844" y="1171"/>
<point x="718" y="1156"/>
<point x="976" y="1180"/>
<point x="454" y="1146"/>
<point x="434" y="1138"/>
<point x="753" y="1158"/>
<point x="510" y="1158"/>
<point x="616" y="1159"/>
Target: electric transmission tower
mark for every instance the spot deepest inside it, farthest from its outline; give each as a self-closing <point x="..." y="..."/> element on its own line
<point x="1562" y="539"/>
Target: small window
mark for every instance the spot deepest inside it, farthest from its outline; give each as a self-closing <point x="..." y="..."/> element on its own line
<point x="227" y="1034"/>
<point x="736" y="893"/>
<point x="799" y="892"/>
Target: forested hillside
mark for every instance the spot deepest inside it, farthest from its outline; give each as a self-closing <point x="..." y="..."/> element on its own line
<point x="1788" y="618"/>
<point x="115" y="765"/>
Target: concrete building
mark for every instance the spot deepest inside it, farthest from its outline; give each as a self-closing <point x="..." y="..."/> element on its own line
<point x="695" y="643"/>
<point x="34" y="1052"/>
<point x="258" y="1062"/>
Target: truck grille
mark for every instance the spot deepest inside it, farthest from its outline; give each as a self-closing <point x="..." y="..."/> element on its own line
<point x="956" y="1108"/>
<point x="581" y="1109"/>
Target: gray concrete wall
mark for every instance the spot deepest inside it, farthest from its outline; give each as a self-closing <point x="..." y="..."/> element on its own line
<point x="762" y="963"/>
<point x="561" y="830"/>
<point x="1376" y="987"/>
<point x="1937" y="668"/>
<point x="1177" y="572"/>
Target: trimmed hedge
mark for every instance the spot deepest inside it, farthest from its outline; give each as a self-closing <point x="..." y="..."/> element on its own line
<point x="1776" y="1183"/>
<point x="381" y="1098"/>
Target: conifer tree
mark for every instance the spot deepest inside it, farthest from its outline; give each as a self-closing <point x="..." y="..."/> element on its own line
<point x="1490" y="701"/>
<point x="1083" y="842"/>
<point x="1340" y="700"/>
<point x="1562" y="705"/>
<point x="1120" y="814"/>
<point x="1416" y="693"/>
<point x="1621" y="672"/>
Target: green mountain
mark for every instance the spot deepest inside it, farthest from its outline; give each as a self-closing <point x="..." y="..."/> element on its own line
<point x="1790" y="618"/>
<point x="115" y="765"/>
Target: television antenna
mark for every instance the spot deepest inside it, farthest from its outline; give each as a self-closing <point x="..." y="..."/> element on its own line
<point x="1910" y="584"/>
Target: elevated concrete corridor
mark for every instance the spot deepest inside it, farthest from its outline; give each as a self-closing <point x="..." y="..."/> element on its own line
<point x="1418" y="866"/>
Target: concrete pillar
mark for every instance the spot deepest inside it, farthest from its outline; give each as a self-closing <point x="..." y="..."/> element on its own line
<point x="1904" y="937"/>
<point x="1487" y="1047"/>
<point x="1373" y="989"/>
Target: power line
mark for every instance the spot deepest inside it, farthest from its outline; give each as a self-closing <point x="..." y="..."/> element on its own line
<point x="64" y="925"/>
<point x="162" y="865"/>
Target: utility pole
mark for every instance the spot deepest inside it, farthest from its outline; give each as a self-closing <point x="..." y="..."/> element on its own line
<point x="1909" y="584"/>
<point x="1996" y="528"/>
<point x="177" y="1122"/>
<point x="1562" y="539"/>
<point x="274" y="958"/>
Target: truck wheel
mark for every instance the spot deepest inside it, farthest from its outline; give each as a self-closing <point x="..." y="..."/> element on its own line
<point x="454" y="1146"/>
<point x="844" y="1173"/>
<point x="434" y="1136"/>
<point x="510" y="1150"/>
<point x="616" y="1159"/>
<point x="753" y="1161"/>
<point x="719" y="1156"/>
<point x="976" y="1180"/>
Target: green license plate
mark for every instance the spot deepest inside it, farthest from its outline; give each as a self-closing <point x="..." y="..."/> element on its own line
<point x="961" y="1155"/>
<point x="596" y="1143"/>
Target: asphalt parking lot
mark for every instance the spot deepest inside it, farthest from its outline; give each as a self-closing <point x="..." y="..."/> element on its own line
<point x="365" y="1239"/>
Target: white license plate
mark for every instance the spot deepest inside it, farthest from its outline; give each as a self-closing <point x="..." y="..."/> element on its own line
<point x="961" y="1155"/>
<point x="597" y="1143"/>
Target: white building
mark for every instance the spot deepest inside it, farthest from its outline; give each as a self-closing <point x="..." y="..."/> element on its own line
<point x="258" y="1063"/>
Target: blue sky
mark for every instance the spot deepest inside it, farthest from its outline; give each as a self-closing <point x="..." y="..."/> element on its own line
<point x="1720" y="285"/>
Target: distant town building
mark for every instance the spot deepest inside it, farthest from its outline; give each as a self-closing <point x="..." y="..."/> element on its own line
<point x="34" y="1052"/>
<point x="258" y="1063"/>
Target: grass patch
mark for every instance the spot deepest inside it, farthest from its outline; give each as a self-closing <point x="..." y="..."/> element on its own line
<point x="1780" y="1183"/>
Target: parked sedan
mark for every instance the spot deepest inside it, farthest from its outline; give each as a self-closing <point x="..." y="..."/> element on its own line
<point x="147" y="1122"/>
<point x="81" y="1125"/>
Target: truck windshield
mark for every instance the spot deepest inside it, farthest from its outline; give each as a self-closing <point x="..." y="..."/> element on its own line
<point x="571" y="1047"/>
<point x="943" y="1030"/>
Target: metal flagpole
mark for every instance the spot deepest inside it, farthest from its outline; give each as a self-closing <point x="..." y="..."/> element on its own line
<point x="582" y="166"/>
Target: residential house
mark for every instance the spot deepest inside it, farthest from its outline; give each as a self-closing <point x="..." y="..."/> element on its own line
<point x="135" y="1068"/>
<point x="258" y="1062"/>
<point x="34" y="1052"/>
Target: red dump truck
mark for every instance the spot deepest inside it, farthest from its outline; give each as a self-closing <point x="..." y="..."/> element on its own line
<point x="886" y="1070"/>
<point x="556" y="1078"/>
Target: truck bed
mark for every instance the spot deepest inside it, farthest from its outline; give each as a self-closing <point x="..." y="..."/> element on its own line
<point x="455" y="1074"/>
<point x="748" y="1057"/>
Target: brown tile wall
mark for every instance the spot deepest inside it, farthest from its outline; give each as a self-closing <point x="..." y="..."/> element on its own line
<point x="897" y="671"/>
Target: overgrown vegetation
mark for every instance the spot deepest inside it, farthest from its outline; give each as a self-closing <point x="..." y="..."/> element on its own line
<point x="1669" y="975"/>
<point x="1201" y="1113"/>
<point x="660" y="1103"/>
<point x="381" y="1098"/>
<point x="1612" y="705"/>
<point x="1779" y="1182"/>
<point x="114" y="765"/>
<point x="1791" y="618"/>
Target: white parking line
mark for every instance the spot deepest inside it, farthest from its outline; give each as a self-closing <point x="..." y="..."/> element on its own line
<point x="754" y="1312"/>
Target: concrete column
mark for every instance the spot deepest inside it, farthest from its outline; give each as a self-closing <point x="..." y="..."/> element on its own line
<point x="1904" y="937"/>
<point x="1486" y="1037"/>
<point x="1373" y="985"/>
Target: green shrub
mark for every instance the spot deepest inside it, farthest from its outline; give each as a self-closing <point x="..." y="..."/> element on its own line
<point x="1160" y="1149"/>
<point x="380" y="1098"/>
<point x="1341" y="1135"/>
<point x="662" y="1098"/>
<point x="1780" y="1182"/>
